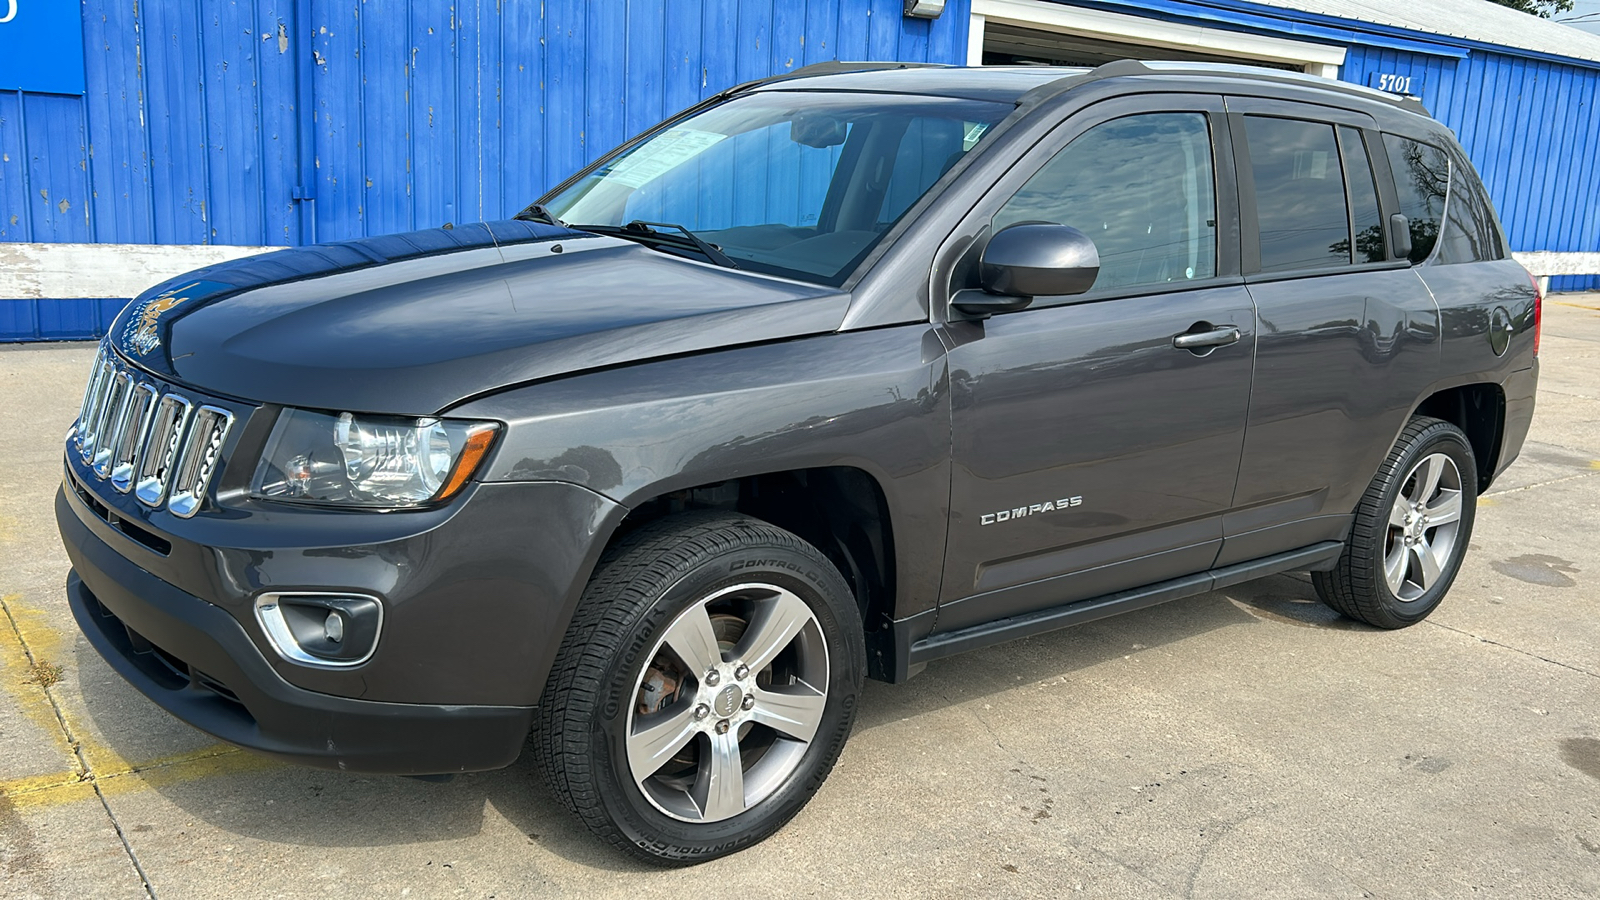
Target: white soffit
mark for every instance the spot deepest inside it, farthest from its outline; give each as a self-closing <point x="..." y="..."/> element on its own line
<point x="74" y="271"/>
<point x="1127" y="29"/>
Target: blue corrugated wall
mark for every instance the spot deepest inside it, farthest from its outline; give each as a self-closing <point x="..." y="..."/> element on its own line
<point x="423" y="111"/>
<point x="1531" y="128"/>
<point x="204" y="120"/>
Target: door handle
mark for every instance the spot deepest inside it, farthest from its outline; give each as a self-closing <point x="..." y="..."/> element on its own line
<point x="1197" y="340"/>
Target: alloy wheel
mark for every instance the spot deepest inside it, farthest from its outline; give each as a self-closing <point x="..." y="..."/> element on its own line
<point x="728" y="703"/>
<point x="1424" y="524"/>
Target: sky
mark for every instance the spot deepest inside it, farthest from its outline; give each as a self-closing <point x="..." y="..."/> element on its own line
<point x="1584" y="7"/>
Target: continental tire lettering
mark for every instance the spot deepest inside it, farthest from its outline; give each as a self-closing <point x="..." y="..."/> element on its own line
<point x="771" y="564"/>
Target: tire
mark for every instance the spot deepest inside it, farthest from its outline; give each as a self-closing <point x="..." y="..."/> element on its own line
<point x="1410" y="532"/>
<point x="637" y="737"/>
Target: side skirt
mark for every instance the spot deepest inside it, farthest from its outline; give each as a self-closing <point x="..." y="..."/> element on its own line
<point x="1316" y="557"/>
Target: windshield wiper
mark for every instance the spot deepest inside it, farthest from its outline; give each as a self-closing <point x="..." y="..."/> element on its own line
<point x="647" y="232"/>
<point x="535" y="212"/>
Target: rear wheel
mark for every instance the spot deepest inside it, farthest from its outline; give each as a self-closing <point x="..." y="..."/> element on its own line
<point x="1410" y="531"/>
<point x="704" y="690"/>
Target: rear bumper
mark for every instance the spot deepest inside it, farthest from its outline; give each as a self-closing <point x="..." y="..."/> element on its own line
<point x="1519" y="390"/>
<point x="196" y="661"/>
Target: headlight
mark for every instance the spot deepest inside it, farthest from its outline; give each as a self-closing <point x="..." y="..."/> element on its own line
<point x="370" y="461"/>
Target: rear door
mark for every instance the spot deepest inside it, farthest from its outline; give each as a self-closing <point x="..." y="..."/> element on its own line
<point x="1348" y="335"/>
<point x="1090" y="453"/>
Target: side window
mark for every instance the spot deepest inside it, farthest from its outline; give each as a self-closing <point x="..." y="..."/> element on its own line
<point x="1365" y="220"/>
<point x="1300" y="200"/>
<point x="1422" y="179"/>
<point x="1141" y="188"/>
<point x="1470" y="232"/>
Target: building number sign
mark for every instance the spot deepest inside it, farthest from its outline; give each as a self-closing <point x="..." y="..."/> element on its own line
<point x="1393" y="83"/>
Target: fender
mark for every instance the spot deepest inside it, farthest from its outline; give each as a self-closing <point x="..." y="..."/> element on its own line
<point x="873" y="400"/>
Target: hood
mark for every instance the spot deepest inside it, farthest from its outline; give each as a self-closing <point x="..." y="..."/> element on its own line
<point x="416" y="323"/>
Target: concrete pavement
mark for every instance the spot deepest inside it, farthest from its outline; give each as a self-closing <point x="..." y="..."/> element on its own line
<point x="1247" y="743"/>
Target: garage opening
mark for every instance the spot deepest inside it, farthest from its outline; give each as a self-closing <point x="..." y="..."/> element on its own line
<point x="1037" y="32"/>
<point x="1011" y="45"/>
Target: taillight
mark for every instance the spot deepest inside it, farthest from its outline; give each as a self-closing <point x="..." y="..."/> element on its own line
<point x="1538" y="312"/>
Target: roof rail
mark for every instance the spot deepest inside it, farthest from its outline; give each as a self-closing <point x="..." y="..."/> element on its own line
<point x="830" y="67"/>
<point x="1132" y="67"/>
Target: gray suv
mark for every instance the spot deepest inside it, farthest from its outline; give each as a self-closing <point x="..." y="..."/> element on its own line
<point x="824" y="379"/>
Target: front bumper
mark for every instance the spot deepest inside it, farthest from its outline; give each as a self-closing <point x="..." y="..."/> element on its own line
<point x="475" y="602"/>
<point x="196" y="661"/>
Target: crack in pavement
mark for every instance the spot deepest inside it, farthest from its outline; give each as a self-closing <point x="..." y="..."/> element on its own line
<point x="87" y="773"/>
<point x="1482" y="639"/>
<point x="1528" y="487"/>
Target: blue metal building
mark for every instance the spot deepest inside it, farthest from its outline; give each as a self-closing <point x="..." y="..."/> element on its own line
<point x="140" y="140"/>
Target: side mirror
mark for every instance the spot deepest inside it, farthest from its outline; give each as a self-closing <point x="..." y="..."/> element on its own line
<point x="1400" y="236"/>
<point x="1031" y="260"/>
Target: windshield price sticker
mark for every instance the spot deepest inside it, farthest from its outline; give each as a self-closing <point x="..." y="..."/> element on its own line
<point x="662" y="154"/>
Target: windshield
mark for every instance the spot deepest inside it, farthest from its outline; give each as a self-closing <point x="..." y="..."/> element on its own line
<point x="801" y="184"/>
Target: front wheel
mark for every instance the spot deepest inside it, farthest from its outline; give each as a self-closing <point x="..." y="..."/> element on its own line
<point x="1410" y="532"/>
<point x="704" y="690"/>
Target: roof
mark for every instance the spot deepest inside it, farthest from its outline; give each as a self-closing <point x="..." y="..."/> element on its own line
<point x="1006" y="84"/>
<point x="1471" y="20"/>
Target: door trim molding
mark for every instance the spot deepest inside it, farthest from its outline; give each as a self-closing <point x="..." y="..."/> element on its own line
<point x="1317" y="557"/>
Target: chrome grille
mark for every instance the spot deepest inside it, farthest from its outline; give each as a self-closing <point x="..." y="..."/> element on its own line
<point x="161" y="450"/>
<point x="131" y="435"/>
<point x="142" y="437"/>
<point x="115" y="418"/>
<point x="200" y="456"/>
<point x="94" y="407"/>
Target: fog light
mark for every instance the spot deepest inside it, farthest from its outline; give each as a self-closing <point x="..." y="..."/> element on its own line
<point x="337" y="630"/>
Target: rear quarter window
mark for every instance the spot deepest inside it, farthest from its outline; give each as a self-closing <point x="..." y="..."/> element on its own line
<point x="1422" y="181"/>
<point x="1471" y="233"/>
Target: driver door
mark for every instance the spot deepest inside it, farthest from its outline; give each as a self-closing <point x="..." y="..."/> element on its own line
<point x="1092" y="455"/>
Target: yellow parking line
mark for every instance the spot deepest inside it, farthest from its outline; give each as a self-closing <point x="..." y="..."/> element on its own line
<point x="26" y="639"/>
<point x="22" y="628"/>
<point x="61" y="788"/>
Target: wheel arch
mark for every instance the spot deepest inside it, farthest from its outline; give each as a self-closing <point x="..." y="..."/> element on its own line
<point x="1479" y="410"/>
<point x="841" y="510"/>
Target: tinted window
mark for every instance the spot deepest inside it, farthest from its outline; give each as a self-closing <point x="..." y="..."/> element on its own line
<point x="1365" y="220"/>
<point x="1141" y="187"/>
<point x="1422" y="178"/>
<point x="1470" y="231"/>
<point x="1299" y="194"/>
